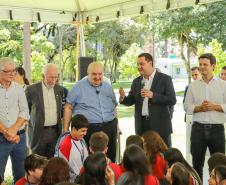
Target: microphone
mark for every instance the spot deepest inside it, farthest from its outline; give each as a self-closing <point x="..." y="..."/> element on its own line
<point x="97" y="91"/>
<point x="142" y="83"/>
<point x="142" y="86"/>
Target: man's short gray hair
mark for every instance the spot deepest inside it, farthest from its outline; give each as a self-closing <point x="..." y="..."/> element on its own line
<point x="49" y="65"/>
<point x="6" y="60"/>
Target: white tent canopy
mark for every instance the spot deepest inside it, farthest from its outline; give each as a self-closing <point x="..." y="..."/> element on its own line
<point x="67" y="11"/>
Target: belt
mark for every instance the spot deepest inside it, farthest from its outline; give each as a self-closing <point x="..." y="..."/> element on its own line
<point x="145" y="117"/>
<point x="20" y="132"/>
<point x="207" y="126"/>
<point x="102" y="124"/>
<point x="50" y="127"/>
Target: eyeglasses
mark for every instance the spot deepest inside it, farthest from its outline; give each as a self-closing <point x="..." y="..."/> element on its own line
<point x="52" y="77"/>
<point x="10" y="71"/>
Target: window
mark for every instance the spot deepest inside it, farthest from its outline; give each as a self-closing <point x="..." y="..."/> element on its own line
<point x="177" y="70"/>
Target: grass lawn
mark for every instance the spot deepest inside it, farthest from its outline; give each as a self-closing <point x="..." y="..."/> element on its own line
<point x="124" y="84"/>
<point x="124" y="111"/>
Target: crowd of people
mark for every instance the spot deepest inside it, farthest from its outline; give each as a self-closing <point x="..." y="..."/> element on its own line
<point x="58" y="137"/>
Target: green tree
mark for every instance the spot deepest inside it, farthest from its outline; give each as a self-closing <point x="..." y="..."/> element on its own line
<point x="112" y="39"/>
<point x="11" y="40"/>
<point x="190" y="26"/>
<point x="41" y="49"/>
<point x="61" y="36"/>
<point x="128" y="62"/>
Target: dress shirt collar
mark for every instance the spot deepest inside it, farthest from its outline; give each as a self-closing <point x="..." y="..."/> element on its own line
<point x="213" y="79"/>
<point x="151" y="76"/>
<point x="10" y="85"/>
<point x="44" y="86"/>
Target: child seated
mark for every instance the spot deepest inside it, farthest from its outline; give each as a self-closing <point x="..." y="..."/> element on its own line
<point x="72" y="147"/>
<point x="33" y="165"/>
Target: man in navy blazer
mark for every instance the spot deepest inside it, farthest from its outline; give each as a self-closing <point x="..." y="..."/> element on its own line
<point x="153" y="94"/>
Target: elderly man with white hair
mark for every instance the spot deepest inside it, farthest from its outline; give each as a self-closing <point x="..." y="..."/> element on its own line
<point x="13" y="116"/>
<point x="45" y="104"/>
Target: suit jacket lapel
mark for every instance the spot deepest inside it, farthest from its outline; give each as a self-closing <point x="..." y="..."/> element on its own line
<point x="155" y="80"/>
<point x="40" y="94"/>
<point x="139" y="88"/>
<point x="58" y="99"/>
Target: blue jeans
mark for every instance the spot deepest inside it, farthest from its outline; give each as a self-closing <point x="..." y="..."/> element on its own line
<point x="203" y="136"/>
<point x="17" y="153"/>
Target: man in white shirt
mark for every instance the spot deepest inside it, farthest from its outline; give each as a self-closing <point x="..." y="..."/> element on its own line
<point x="13" y="116"/>
<point x="45" y="105"/>
<point x="206" y="101"/>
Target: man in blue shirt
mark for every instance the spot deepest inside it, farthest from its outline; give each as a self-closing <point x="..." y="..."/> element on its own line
<point x="95" y="99"/>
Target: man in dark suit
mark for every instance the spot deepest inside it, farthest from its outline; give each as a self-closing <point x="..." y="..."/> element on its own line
<point x="45" y="105"/>
<point x="152" y="93"/>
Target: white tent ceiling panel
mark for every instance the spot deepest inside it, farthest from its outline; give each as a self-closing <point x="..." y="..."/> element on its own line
<point x="63" y="11"/>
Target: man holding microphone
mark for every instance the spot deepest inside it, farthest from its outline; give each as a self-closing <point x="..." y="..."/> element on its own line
<point x="153" y="94"/>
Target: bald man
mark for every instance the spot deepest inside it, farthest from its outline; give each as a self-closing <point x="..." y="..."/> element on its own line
<point x="94" y="98"/>
<point x="45" y="105"/>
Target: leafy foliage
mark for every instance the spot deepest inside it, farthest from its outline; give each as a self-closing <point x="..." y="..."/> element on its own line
<point x="11" y="40"/>
<point x="128" y="63"/>
<point x="191" y="26"/>
<point x="112" y="39"/>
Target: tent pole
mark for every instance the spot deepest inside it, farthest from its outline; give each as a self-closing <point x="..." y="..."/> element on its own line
<point x="61" y="52"/>
<point x="27" y="50"/>
<point x="77" y="50"/>
<point x="82" y="41"/>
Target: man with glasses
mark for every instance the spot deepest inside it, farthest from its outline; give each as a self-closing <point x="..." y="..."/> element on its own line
<point x="45" y="104"/>
<point x="13" y="116"/>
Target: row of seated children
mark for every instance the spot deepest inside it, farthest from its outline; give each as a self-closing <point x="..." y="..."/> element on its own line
<point x="146" y="160"/>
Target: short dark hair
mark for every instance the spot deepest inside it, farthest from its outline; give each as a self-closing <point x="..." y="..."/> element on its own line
<point x="135" y="139"/>
<point x="223" y="68"/>
<point x="148" y="57"/>
<point x="98" y="141"/>
<point x="34" y="161"/>
<point x="215" y="160"/>
<point x="209" y="56"/>
<point x="195" y="68"/>
<point x="79" y="121"/>
<point x="220" y="171"/>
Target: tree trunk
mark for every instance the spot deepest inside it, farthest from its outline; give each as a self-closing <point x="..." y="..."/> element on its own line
<point x="111" y="67"/>
<point x="166" y="48"/>
<point x="188" y="61"/>
<point x="115" y="71"/>
<point x="181" y="39"/>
